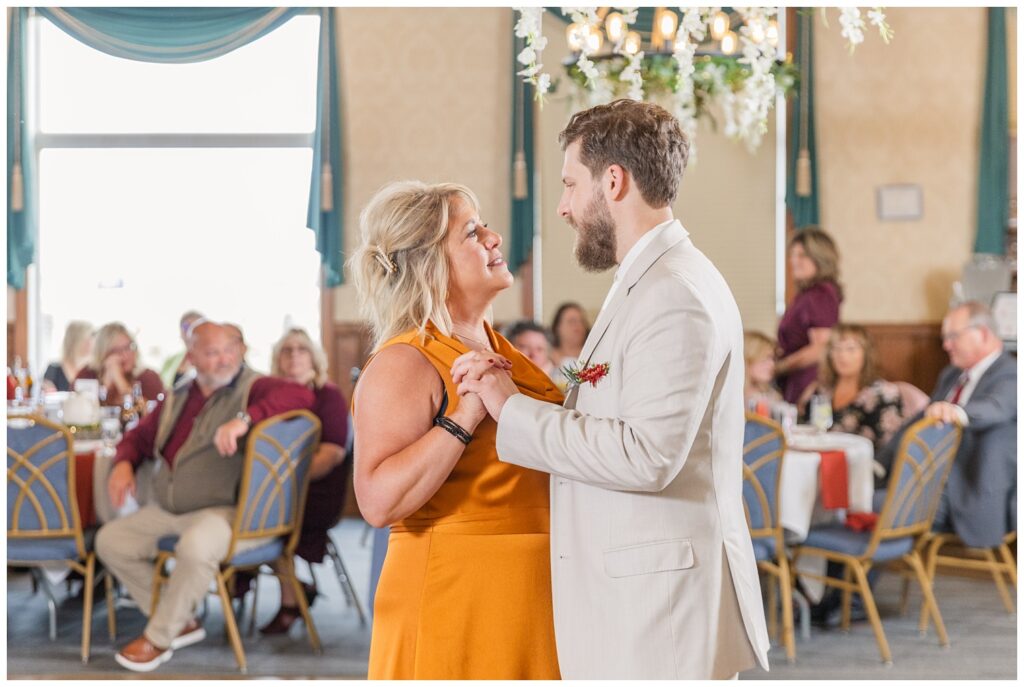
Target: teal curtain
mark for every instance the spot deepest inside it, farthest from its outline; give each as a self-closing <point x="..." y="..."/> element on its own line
<point x="324" y="214"/>
<point x="994" y="162"/>
<point x="194" y="34"/>
<point x="523" y="196"/>
<point x="21" y="206"/>
<point x="804" y="207"/>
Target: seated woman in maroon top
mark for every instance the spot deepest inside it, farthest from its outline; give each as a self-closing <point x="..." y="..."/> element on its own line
<point x="805" y="327"/>
<point x="298" y="359"/>
<point x="115" y="363"/>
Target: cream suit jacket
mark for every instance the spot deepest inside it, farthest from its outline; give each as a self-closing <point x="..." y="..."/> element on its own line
<point x="653" y="572"/>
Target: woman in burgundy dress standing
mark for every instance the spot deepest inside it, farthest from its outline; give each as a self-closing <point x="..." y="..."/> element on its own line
<point x="297" y="358"/>
<point x="805" y="328"/>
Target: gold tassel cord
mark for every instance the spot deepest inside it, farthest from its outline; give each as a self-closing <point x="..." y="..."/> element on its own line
<point x="326" y="188"/>
<point x="803" y="173"/>
<point x="17" y="188"/>
<point x="519" y="176"/>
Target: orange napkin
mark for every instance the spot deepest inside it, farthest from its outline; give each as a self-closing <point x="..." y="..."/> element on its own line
<point x="835" y="489"/>
<point x="861" y="522"/>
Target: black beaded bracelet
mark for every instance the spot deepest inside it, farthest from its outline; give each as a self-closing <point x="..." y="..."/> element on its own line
<point x="453" y="428"/>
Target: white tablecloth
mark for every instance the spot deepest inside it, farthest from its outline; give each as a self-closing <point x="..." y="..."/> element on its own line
<point x="800" y="493"/>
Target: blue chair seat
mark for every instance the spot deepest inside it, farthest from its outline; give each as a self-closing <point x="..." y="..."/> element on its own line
<point x="261" y="554"/>
<point x="38" y="550"/>
<point x="764" y="548"/>
<point x="844" y="540"/>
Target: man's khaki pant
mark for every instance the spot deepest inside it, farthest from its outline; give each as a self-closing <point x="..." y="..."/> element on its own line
<point x="128" y="548"/>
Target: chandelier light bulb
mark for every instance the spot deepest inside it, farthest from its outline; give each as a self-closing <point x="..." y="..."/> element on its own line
<point x="633" y="42"/>
<point x="757" y="32"/>
<point x="719" y="25"/>
<point x="574" y="36"/>
<point x="594" y="40"/>
<point x="729" y="43"/>
<point x="667" y="23"/>
<point x="615" y="26"/>
<point x="772" y="33"/>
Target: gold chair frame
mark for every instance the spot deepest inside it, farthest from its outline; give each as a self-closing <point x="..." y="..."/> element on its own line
<point x="71" y="525"/>
<point x="780" y="568"/>
<point x="856" y="568"/>
<point x="247" y="513"/>
<point x="977" y="559"/>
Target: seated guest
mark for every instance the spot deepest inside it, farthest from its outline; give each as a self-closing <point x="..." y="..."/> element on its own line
<point x="569" y="331"/>
<point x="75" y="353"/>
<point x="178" y="366"/>
<point x="115" y="363"/>
<point x="298" y="359"/>
<point x="759" y="356"/>
<point x="862" y="402"/>
<point x="978" y="391"/>
<point x="531" y="340"/>
<point x="196" y="437"/>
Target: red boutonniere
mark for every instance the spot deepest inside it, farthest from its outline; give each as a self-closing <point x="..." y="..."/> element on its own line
<point x="591" y="374"/>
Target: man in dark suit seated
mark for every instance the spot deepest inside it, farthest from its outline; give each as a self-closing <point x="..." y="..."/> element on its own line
<point x="977" y="391"/>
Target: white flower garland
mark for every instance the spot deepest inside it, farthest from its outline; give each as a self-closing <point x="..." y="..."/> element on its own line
<point x="529" y="27"/>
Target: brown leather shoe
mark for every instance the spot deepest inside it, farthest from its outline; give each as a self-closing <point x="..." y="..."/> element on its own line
<point x="192" y="633"/>
<point x="142" y="656"/>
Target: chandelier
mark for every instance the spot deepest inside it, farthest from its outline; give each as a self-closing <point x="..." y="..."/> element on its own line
<point x="723" y="64"/>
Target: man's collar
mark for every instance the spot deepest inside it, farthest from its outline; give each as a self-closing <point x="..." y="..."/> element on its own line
<point x="981" y="367"/>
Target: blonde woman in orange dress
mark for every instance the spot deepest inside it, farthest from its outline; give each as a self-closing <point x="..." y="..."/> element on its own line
<point x="465" y="591"/>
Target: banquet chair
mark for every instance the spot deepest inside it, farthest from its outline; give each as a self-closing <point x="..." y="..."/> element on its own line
<point x="272" y="497"/>
<point x="997" y="561"/>
<point x="916" y="482"/>
<point x="764" y="445"/>
<point x="43" y="522"/>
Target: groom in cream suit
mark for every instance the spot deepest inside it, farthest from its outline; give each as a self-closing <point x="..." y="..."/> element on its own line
<point x="652" y="567"/>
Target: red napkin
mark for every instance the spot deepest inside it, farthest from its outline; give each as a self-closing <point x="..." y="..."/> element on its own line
<point x="861" y="522"/>
<point x="834" y="479"/>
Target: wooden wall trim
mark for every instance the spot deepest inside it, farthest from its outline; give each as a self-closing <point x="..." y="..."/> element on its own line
<point x="909" y="352"/>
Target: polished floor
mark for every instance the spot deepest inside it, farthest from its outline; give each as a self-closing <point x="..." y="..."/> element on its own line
<point x="983" y="635"/>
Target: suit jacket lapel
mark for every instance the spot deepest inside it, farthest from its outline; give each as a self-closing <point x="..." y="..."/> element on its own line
<point x="669" y="237"/>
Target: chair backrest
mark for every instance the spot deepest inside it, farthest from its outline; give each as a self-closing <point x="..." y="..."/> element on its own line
<point x="917" y="479"/>
<point x="275" y="478"/>
<point x="764" y="445"/>
<point x="41" y="501"/>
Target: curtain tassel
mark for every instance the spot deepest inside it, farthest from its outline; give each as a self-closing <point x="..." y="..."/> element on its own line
<point x="519" y="191"/>
<point x="326" y="188"/>
<point x="17" y="188"/>
<point x="803" y="173"/>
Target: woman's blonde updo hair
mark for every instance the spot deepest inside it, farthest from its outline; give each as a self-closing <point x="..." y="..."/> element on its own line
<point x="401" y="267"/>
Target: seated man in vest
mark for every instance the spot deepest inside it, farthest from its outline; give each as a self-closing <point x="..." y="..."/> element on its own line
<point x="195" y="438"/>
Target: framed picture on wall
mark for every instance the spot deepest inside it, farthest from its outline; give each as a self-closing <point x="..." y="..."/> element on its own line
<point x="1004" y="310"/>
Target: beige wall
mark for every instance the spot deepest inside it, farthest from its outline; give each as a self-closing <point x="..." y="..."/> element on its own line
<point x="908" y="112"/>
<point x="726" y="202"/>
<point x="434" y="105"/>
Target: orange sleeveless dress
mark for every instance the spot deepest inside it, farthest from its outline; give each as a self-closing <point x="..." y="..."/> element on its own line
<point x="465" y="591"/>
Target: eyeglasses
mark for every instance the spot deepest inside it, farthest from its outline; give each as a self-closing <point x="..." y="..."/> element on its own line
<point x="953" y="336"/>
<point x="294" y="350"/>
<point x="121" y="350"/>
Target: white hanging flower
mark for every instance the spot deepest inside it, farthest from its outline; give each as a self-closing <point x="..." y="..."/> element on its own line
<point x="853" y="26"/>
<point x="628" y="14"/>
<point x="543" y="84"/>
<point x="877" y="18"/>
<point x="633" y="76"/>
<point x="529" y="27"/>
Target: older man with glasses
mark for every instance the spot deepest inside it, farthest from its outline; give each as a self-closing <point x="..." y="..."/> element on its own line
<point x="977" y="391"/>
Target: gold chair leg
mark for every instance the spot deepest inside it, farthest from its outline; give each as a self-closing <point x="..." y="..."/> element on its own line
<point x="914" y="560"/>
<point x="937" y="541"/>
<point x="786" y="588"/>
<point x="997" y="574"/>
<point x="90" y="572"/>
<point x="108" y="586"/>
<point x="230" y="624"/>
<point x="1011" y="564"/>
<point x="773" y="610"/>
<point x="905" y="596"/>
<point x="158" y="581"/>
<point x="869" y="606"/>
<point x="314" y="638"/>
<point x="847" y="599"/>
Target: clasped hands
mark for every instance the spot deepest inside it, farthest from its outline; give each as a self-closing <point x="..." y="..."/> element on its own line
<point x="484" y="377"/>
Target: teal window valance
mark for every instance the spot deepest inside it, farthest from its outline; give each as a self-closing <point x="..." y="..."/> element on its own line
<point x="994" y="156"/>
<point x="523" y="195"/>
<point x="176" y="35"/>
<point x="802" y="164"/>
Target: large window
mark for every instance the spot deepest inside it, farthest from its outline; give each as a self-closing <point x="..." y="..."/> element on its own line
<point x="165" y="188"/>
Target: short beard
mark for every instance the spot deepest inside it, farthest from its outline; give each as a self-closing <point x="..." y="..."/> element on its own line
<point x="595" y="236"/>
<point x="214" y="381"/>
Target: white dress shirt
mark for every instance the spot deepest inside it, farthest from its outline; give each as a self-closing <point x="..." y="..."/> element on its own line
<point x="631" y="257"/>
<point x="973" y="375"/>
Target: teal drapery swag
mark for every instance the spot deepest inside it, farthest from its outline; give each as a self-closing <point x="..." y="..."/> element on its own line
<point x="21" y="206"/>
<point x="523" y="195"/>
<point x="994" y="156"/>
<point x="189" y="34"/>
<point x="803" y="205"/>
